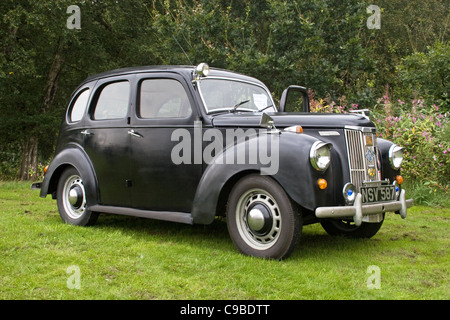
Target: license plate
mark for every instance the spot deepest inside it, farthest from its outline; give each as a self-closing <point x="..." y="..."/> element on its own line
<point x="377" y="194"/>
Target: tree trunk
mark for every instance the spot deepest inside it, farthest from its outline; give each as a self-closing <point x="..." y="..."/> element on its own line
<point x="28" y="167"/>
<point x="53" y="77"/>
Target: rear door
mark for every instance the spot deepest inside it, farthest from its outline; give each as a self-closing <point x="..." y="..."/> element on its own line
<point x="106" y="139"/>
<point x="164" y="104"/>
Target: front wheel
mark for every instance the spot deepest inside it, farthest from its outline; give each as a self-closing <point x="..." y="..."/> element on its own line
<point x="71" y="199"/>
<point x="347" y="228"/>
<point x="262" y="221"/>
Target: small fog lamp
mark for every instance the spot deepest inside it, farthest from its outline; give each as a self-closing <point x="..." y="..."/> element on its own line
<point x="349" y="193"/>
<point x="397" y="189"/>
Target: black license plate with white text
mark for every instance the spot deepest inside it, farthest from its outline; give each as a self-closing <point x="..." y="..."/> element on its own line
<point x="377" y="194"/>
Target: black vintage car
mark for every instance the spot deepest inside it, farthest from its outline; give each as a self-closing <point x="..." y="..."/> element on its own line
<point x="188" y="144"/>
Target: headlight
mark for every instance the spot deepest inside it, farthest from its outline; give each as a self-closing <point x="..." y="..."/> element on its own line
<point x="319" y="155"/>
<point x="396" y="156"/>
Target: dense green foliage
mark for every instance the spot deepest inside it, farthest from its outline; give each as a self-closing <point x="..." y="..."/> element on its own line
<point x="324" y="45"/>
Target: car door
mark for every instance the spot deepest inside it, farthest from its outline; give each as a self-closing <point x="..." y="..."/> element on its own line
<point x="106" y="139"/>
<point x="164" y="104"/>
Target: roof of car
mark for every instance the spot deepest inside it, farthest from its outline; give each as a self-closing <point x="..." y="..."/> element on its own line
<point x="184" y="70"/>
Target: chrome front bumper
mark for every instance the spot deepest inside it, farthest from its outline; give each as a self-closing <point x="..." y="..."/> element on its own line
<point x="358" y="210"/>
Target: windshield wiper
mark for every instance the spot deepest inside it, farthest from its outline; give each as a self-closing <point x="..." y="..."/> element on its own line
<point x="233" y="110"/>
<point x="264" y="108"/>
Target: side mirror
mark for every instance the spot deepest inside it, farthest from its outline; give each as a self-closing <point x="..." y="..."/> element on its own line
<point x="285" y="107"/>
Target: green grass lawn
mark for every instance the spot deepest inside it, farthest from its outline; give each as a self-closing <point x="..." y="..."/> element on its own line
<point x="132" y="258"/>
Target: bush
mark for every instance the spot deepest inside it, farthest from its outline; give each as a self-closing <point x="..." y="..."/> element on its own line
<point x="423" y="130"/>
<point x="428" y="73"/>
<point x="421" y="127"/>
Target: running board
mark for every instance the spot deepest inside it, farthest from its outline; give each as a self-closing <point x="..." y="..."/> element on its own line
<point x="182" y="217"/>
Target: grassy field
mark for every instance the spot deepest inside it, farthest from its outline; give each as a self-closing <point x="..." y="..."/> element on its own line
<point x="132" y="258"/>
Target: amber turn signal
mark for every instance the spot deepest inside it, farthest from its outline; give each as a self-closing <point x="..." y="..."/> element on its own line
<point x="322" y="183"/>
<point x="45" y="170"/>
<point x="399" y="179"/>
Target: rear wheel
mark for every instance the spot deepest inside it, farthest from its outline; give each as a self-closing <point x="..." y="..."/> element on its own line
<point x="71" y="199"/>
<point x="262" y="221"/>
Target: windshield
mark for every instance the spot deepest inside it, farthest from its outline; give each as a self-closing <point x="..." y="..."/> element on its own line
<point x="230" y="95"/>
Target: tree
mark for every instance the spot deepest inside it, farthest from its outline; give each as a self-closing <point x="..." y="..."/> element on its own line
<point x="42" y="61"/>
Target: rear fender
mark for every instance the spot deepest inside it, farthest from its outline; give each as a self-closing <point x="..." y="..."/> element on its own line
<point x="73" y="156"/>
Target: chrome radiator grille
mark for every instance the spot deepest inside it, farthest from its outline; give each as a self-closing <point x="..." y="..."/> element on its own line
<point x="362" y="156"/>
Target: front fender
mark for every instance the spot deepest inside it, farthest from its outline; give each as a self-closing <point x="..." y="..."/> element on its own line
<point x="386" y="170"/>
<point x="73" y="156"/>
<point x="289" y="166"/>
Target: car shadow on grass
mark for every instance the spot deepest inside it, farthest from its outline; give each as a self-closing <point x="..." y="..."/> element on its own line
<point x="313" y="242"/>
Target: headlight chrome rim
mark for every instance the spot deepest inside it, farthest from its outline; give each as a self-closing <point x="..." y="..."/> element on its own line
<point x="396" y="156"/>
<point x="320" y="155"/>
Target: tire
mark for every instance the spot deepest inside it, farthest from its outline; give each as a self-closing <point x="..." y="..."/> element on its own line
<point x="262" y="220"/>
<point x="71" y="199"/>
<point x="348" y="229"/>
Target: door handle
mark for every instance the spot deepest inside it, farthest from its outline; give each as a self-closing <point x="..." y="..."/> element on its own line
<point x="86" y="133"/>
<point x="135" y="134"/>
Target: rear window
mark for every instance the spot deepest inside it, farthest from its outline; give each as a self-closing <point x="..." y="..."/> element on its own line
<point x="113" y="101"/>
<point x="79" y="106"/>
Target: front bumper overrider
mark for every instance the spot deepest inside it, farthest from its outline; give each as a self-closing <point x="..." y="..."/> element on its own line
<point x="358" y="210"/>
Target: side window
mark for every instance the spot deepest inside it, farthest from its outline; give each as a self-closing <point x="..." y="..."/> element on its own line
<point x="163" y="98"/>
<point x="113" y="101"/>
<point x="79" y="106"/>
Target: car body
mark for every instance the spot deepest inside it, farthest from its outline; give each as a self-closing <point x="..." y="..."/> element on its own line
<point x="187" y="144"/>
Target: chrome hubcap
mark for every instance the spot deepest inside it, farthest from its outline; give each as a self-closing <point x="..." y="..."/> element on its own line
<point x="258" y="219"/>
<point x="255" y="219"/>
<point x="74" y="198"/>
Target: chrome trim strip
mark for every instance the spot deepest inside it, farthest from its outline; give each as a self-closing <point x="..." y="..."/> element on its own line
<point x="363" y="129"/>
